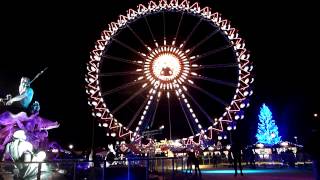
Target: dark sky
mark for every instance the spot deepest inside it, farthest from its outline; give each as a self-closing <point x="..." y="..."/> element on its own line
<point x="281" y="38"/>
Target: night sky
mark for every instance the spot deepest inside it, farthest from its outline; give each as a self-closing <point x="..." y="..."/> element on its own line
<point x="281" y="39"/>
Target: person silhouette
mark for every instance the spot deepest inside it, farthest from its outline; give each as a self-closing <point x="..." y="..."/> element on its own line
<point x="230" y="158"/>
<point x="312" y="147"/>
<point x="236" y="152"/>
<point x="189" y="161"/>
<point x="252" y="157"/>
<point x="196" y="163"/>
<point x="192" y="159"/>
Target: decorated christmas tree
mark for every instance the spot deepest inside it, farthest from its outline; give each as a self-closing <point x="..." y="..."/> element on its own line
<point x="267" y="129"/>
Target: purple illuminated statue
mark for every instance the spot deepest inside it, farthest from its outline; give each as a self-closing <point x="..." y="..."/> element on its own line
<point x="35" y="127"/>
<point x="23" y="133"/>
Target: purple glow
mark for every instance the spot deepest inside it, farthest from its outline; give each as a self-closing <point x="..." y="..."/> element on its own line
<point x="34" y="126"/>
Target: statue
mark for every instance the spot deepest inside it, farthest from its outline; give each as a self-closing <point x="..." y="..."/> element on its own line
<point x="26" y="118"/>
<point x="23" y="132"/>
<point x="22" y="115"/>
<point x="25" y="94"/>
<point x="21" y="152"/>
<point x="34" y="126"/>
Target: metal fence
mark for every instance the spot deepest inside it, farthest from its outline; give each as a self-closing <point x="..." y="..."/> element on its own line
<point x="130" y="169"/>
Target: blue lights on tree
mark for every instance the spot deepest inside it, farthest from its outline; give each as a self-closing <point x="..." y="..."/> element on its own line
<point x="267" y="129"/>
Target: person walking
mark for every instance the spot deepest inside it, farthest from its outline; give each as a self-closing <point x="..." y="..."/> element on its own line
<point x="236" y="152"/>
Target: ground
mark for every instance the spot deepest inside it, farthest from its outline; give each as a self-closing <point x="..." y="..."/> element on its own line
<point x="252" y="174"/>
<point x="225" y="174"/>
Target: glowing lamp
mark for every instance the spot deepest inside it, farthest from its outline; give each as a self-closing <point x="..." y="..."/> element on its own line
<point x="260" y="145"/>
<point x="285" y="144"/>
<point x="70" y="146"/>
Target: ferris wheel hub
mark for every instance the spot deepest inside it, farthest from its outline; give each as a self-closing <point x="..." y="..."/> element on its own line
<point x="166" y="65"/>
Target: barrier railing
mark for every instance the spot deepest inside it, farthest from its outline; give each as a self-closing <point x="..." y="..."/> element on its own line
<point x="131" y="168"/>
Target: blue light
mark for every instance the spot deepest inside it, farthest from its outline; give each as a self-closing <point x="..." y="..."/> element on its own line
<point x="246" y="171"/>
<point x="267" y="129"/>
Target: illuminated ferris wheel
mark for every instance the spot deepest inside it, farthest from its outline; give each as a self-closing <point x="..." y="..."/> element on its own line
<point x="169" y="64"/>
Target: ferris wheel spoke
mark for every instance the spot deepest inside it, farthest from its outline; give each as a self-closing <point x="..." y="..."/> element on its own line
<point x="154" y="113"/>
<point x="204" y="40"/>
<point x="144" y="118"/>
<point x="125" y="73"/>
<point x="217" y="81"/>
<point x="164" y="28"/>
<point x="138" y="37"/>
<point x="191" y="33"/>
<point x="199" y="107"/>
<point x="127" y="47"/>
<point x="178" y="29"/>
<point x="214" y="51"/>
<point x="212" y="96"/>
<point x="124" y="86"/>
<point x="134" y="117"/>
<point x="150" y="31"/>
<point x="185" y="115"/>
<point x="169" y="118"/>
<point x="212" y="66"/>
<point x="123" y="60"/>
<point x="128" y="100"/>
